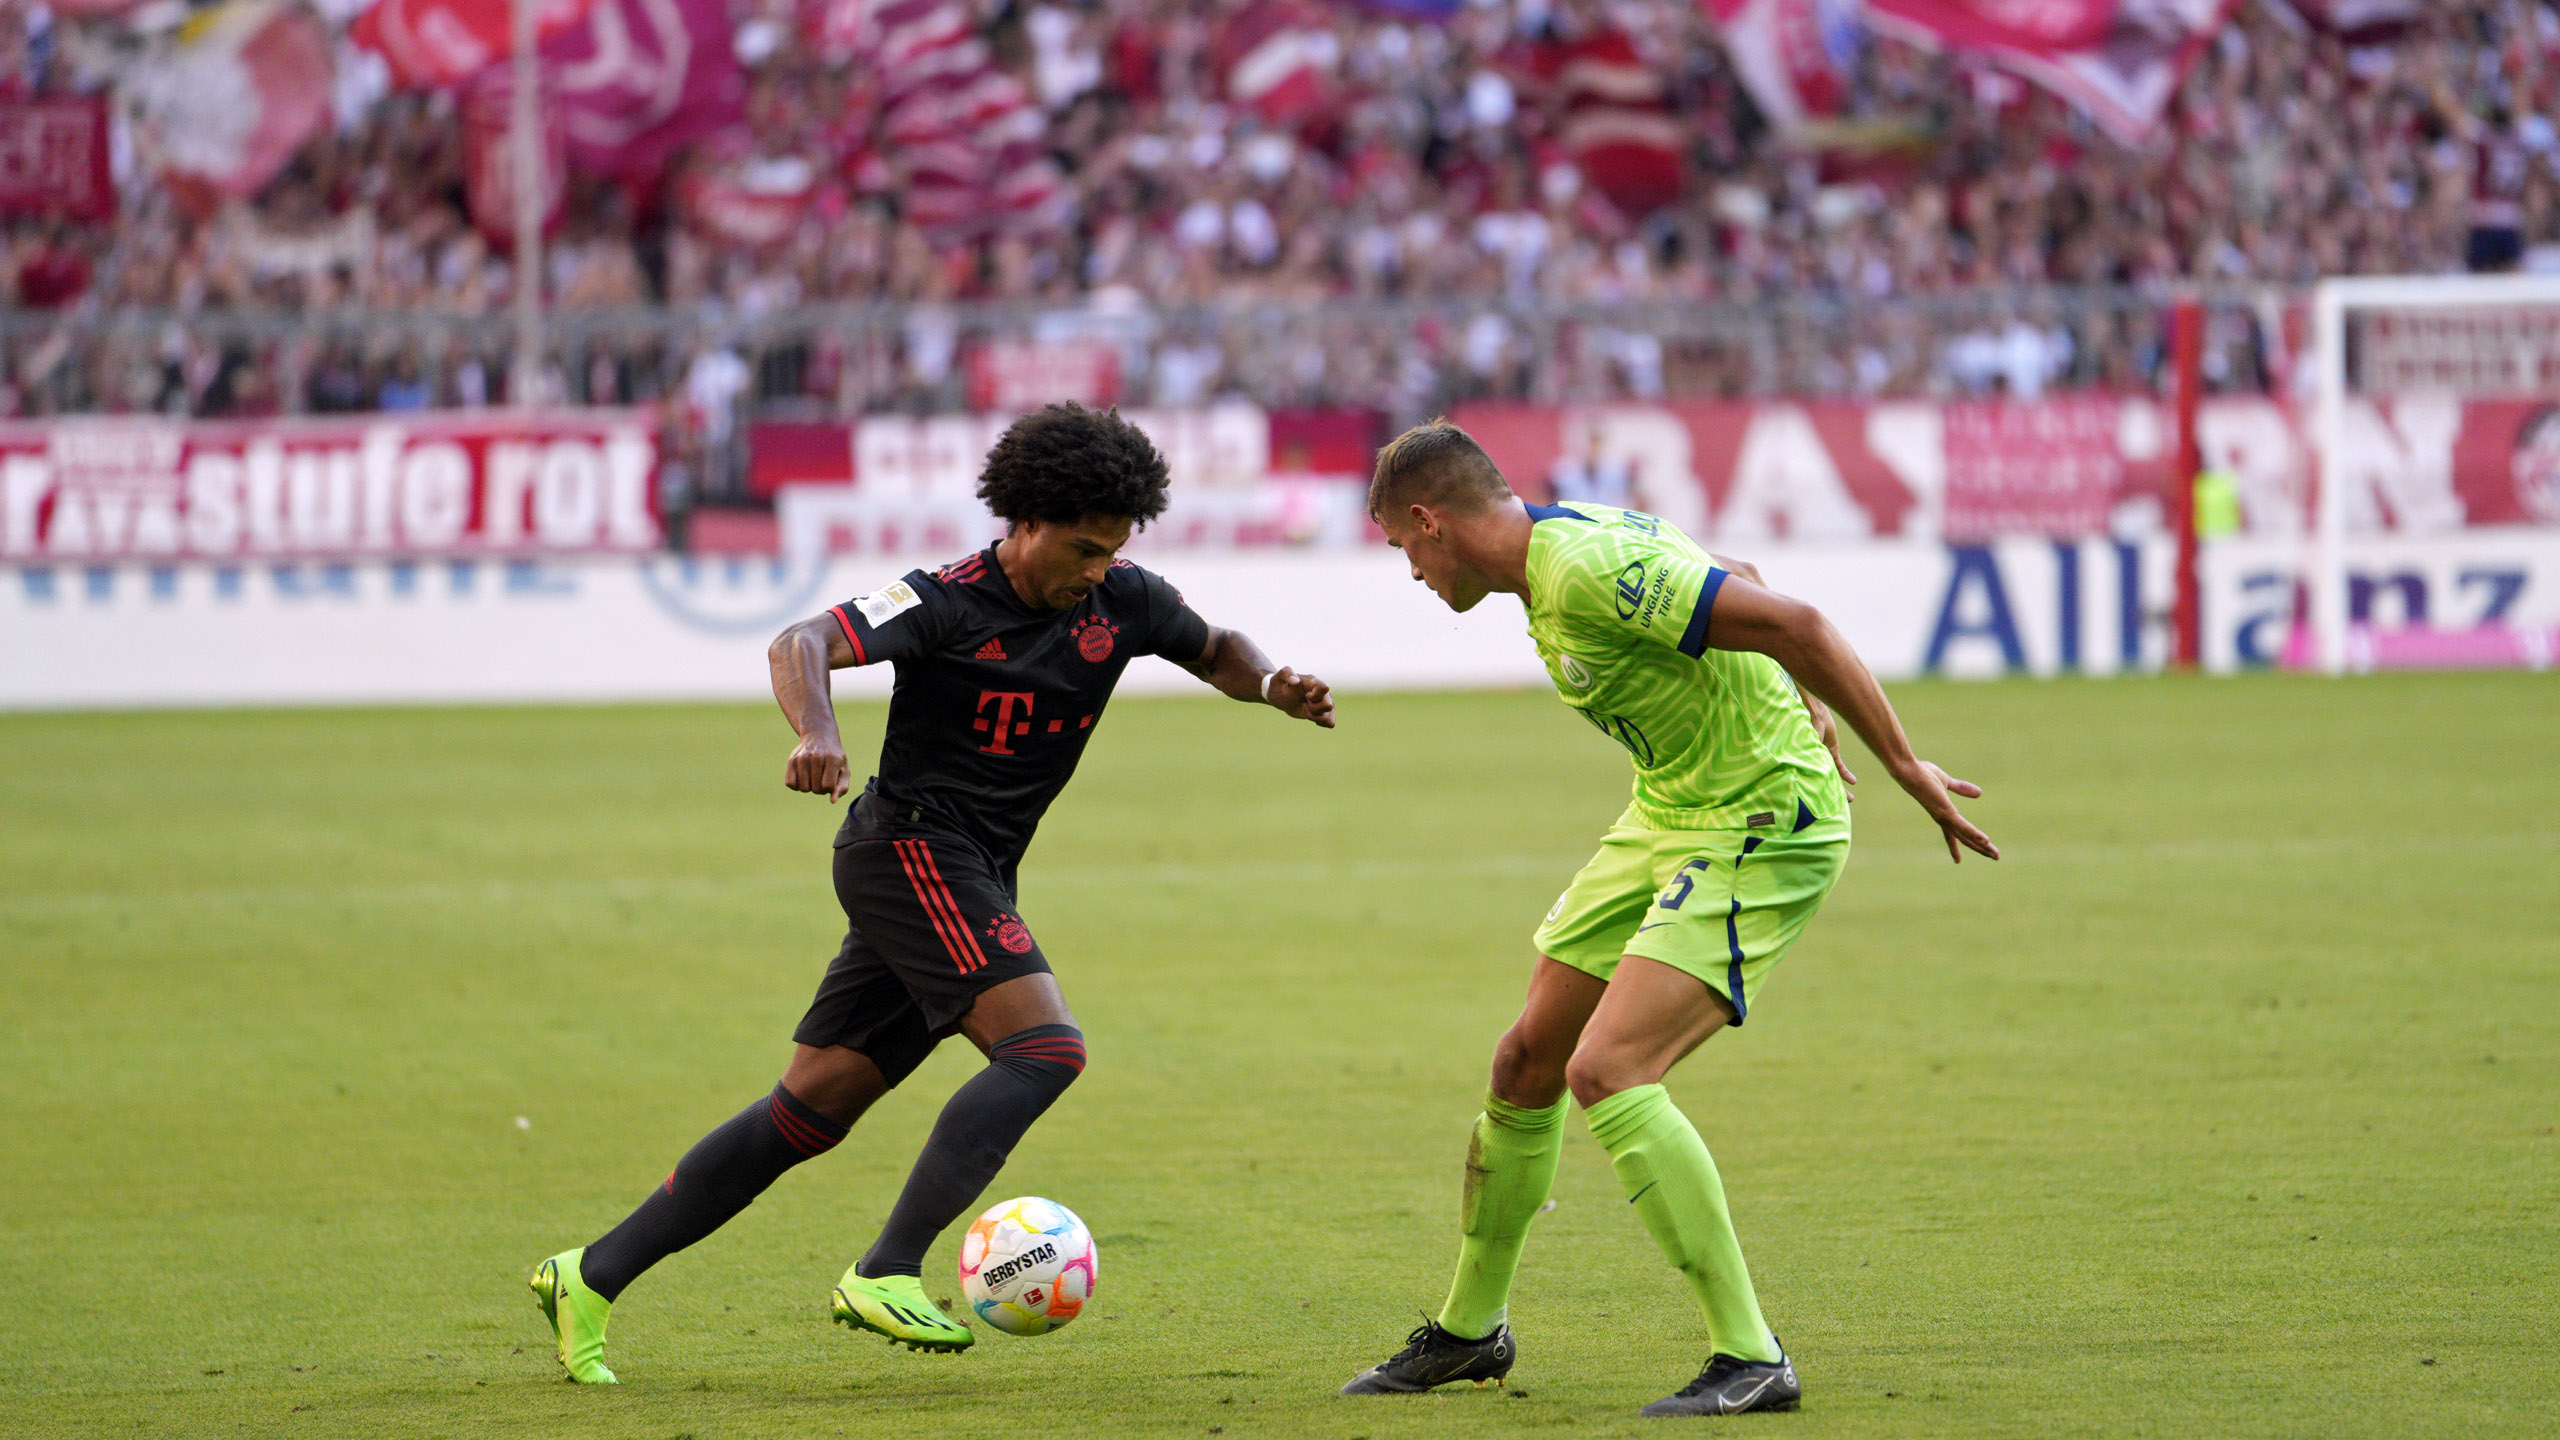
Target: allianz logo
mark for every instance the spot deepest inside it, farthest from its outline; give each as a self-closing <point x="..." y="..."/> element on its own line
<point x="732" y="595"/>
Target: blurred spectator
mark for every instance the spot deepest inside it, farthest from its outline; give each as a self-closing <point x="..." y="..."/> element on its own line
<point x="50" y="271"/>
<point x="1585" y="473"/>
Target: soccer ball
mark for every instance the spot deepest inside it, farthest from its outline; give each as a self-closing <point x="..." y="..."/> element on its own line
<point x="1027" y="1266"/>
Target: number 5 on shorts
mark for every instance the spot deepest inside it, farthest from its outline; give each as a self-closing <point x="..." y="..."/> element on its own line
<point x="1676" y="893"/>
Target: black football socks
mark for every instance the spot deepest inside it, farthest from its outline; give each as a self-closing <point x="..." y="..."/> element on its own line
<point x="1026" y="1073"/>
<point x="724" y="1171"/>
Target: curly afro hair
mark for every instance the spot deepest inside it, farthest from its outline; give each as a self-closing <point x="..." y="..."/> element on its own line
<point x="1062" y="462"/>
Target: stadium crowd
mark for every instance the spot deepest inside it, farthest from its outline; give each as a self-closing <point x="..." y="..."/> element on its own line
<point x="1402" y="226"/>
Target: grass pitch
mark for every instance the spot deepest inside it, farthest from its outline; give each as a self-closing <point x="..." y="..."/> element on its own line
<point x="2224" y="1105"/>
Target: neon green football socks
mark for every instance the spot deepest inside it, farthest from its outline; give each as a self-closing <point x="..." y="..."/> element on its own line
<point x="577" y="1316"/>
<point x="1511" y="1165"/>
<point x="1671" y="1180"/>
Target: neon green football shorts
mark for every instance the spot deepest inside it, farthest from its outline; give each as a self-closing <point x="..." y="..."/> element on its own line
<point x="1723" y="905"/>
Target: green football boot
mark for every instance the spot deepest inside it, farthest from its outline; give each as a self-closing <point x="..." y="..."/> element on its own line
<point x="577" y="1316"/>
<point x="894" y="1305"/>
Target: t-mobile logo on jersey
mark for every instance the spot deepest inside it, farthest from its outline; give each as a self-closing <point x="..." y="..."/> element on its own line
<point x="1001" y="729"/>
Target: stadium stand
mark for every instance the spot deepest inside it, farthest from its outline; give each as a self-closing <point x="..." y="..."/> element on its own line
<point x="1335" y="205"/>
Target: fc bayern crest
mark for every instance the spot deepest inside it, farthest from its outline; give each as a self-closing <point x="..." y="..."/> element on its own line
<point x="1012" y="934"/>
<point x="1093" y="642"/>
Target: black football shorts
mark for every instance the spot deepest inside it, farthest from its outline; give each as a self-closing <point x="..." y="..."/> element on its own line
<point x="932" y="927"/>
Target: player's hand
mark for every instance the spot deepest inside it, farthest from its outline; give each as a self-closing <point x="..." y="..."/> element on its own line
<point x="1934" y="789"/>
<point x="817" y="767"/>
<point x="1829" y="730"/>
<point x="1301" y="697"/>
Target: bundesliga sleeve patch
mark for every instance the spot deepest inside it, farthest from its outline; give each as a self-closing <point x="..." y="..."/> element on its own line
<point x="886" y="602"/>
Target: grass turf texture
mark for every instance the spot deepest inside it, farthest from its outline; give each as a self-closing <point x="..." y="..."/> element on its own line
<point x="2224" y="1105"/>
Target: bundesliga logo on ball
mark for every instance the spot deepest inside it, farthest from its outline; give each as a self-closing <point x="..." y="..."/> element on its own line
<point x="1027" y="1266"/>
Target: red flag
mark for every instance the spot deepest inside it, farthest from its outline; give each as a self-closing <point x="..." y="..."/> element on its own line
<point x="748" y="201"/>
<point x="2363" y="21"/>
<point x="1617" y="120"/>
<point x="1279" y="59"/>
<point x="489" y="157"/>
<point x="435" y="43"/>
<point x="641" y="79"/>
<point x="248" y="83"/>
<point x="1791" y="53"/>
<point x="958" y="139"/>
<point x="2120" y="60"/>
<point x="2044" y="26"/>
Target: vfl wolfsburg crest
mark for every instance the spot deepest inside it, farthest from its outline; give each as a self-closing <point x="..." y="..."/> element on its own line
<point x="1575" y="673"/>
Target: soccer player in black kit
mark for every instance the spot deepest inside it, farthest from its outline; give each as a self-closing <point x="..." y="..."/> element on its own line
<point x="1004" y="660"/>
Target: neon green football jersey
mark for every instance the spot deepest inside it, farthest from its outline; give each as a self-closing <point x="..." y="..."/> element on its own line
<point x="1618" y="604"/>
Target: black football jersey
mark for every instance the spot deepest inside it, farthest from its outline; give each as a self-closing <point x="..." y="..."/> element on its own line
<point x="994" y="700"/>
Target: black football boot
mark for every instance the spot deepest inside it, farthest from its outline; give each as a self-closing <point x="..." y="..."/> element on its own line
<point x="1432" y="1356"/>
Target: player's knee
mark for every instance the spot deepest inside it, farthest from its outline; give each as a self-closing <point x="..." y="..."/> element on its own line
<point x="834" y="1081"/>
<point x="1524" y="1077"/>
<point x="1049" y="1056"/>
<point x="1597" y="1072"/>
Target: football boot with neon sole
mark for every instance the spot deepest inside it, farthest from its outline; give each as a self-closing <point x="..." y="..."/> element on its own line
<point x="577" y="1315"/>
<point x="1734" y="1386"/>
<point x="1432" y="1356"/>
<point x="894" y="1305"/>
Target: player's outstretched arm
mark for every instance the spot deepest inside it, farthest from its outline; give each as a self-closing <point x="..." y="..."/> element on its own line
<point x="802" y="658"/>
<point x="1240" y="671"/>
<point x="1804" y="641"/>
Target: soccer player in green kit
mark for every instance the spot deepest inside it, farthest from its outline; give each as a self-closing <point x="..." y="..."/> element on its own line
<point x="1738" y="827"/>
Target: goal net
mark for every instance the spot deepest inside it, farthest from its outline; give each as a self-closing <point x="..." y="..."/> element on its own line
<point x="2435" y="431"/>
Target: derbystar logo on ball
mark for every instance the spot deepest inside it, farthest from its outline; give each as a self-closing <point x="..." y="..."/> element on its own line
<point x="1027" y="1266"/>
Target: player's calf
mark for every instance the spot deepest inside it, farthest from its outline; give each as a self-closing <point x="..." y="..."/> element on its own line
<point x="1026" y="1073"/>
<point x="721" y="1175"/>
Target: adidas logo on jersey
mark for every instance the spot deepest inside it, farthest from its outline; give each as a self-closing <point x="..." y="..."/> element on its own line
<point x="992" y="650"/>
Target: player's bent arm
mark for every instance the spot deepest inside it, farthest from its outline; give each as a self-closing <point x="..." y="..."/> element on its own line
<point x="1240" y="671"/>
<point x="1814" y="709"/>
<point x="801" y="659"/>
<point x="1805" y="642"/>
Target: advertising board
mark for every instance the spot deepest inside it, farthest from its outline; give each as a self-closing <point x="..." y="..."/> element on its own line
<point x="454" y="483"/>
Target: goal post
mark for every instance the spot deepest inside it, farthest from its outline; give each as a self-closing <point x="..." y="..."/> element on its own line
<point x="2427" y="341"/>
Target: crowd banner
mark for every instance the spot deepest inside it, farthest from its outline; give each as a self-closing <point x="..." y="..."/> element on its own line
<point x="2072" y="466"/>
<point x="1749" y="472"/>
<point x="448" y="484"/>
<point x="54" y="157"/>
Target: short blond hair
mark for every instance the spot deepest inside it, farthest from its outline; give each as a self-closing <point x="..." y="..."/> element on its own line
<point x="1436" y="464"/>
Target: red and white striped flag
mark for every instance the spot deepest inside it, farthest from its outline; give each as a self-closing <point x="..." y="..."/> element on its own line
<point x="956" y="137"/>
<point x="1279" y="59"/>
<point x="1617" y="122"/>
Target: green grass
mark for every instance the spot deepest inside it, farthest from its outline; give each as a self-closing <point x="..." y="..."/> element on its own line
<point x="2224" y="1105"/>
